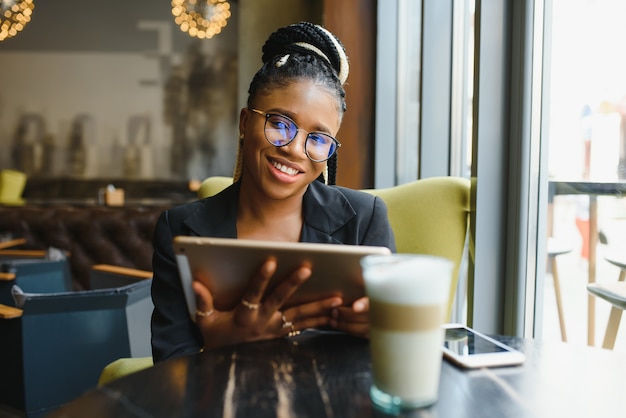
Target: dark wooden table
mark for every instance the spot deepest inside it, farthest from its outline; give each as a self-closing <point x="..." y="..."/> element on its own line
<point x="328" y="375"/>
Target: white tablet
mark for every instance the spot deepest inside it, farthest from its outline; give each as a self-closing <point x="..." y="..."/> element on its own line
<point x="225" y="266"/>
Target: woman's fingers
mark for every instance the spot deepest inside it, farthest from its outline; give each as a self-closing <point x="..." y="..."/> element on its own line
<point x="355" y="325"/>
<point x="301" y="325"/>
<point x="283" y="291"/>
<point x="310" y="315"/>
<point x="258" y="284"/>
<point x="259" y="315"/>
<point x="357" y="329"/>
<point x="347" y="314"/>
<point x="251" y="300"/>
<point x="204" y="300"/>
<point x="318" y="308"/>
<point x="349" y="320"/>
<point x="361" y="305"/>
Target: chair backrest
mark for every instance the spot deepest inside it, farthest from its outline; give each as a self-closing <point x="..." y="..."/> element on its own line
<point x="213" y="185"/>
<point x="12" y="183"/>
<point x="35" y="275"/>
<point x="430" y="216"/>
<point x="57" y="348"/>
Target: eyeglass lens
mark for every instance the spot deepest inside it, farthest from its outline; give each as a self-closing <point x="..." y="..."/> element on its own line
<point x="280" y="131"/>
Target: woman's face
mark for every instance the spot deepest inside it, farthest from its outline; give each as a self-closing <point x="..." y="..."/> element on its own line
<point x="286" y="171"/>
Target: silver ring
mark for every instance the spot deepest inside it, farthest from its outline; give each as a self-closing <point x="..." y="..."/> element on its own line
<point x="250" y="305"/>
<point x="287" y="324"/>
<point x="204" y="314"/>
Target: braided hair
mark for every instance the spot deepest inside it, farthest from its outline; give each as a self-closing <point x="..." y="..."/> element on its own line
<point x="301" y="51"/>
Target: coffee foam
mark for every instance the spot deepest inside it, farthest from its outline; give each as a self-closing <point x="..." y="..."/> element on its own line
<point x="407" y="279"/>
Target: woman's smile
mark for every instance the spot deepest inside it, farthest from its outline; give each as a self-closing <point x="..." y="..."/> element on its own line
<point x="285" y="168"/>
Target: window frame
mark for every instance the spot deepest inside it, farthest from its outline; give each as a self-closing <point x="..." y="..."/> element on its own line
<point x="509" y="181"/>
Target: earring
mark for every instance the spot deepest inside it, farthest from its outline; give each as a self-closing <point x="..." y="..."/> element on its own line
<point x="240" y="139"/>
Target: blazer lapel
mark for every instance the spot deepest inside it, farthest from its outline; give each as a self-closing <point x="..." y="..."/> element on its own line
<point x="326" y="210"/>
<point x="216" y="216"/>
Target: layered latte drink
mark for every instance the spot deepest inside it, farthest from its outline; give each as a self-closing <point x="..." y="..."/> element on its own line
<point x="408" y="303"/>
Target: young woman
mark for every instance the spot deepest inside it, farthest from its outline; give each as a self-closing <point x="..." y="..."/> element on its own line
<point x="284" y="191"/>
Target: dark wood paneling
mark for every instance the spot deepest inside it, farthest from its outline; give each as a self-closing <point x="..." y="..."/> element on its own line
<point x="354" y="22"/>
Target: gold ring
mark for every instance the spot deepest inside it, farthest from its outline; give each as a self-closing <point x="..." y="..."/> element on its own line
<point x="287" y="324"/>
<point x="250" y="305"/>
<point x="294" y="332"/>
<point x="204" y="314"/>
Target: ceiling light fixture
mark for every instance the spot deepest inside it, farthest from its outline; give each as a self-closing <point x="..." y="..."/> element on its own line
<point x="14" y="15"/>
<point x="201" y="18"/>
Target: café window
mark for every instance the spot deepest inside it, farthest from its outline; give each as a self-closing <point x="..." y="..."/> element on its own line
<point x="586" y="134"/>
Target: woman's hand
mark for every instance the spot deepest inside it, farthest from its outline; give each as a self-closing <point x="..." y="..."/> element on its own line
<point x="258" y="316"/>
<point x="353" y="319"/>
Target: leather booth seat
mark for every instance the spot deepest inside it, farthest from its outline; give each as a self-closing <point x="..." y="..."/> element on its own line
<point x="91" y="235"/>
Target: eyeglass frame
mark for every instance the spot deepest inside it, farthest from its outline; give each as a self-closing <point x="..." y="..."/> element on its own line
<point x="298" y="129"/>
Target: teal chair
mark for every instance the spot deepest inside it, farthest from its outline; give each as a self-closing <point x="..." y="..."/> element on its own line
<point x="56" y="341"/>
<point x="428" y="216"/>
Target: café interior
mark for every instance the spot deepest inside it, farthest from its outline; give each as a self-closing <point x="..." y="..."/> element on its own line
<point x="112" y="112"/>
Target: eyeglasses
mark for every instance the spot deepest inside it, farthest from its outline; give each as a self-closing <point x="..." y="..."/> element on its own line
<point x="280" y="131"/>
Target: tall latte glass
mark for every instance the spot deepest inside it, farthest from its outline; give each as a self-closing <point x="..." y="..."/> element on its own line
<point x="408" y="303"/>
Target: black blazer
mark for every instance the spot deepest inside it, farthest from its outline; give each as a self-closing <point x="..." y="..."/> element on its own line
<point x="332" y="214"/>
